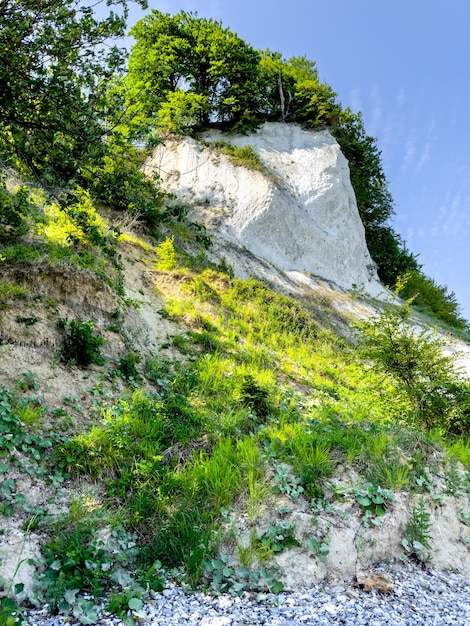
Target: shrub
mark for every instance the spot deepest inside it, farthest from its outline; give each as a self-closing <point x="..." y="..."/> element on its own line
<point x="430" y="296"/>
<point x="441" y="399"/>
<point x="167" y="255"/>
<point x="81" y="346"/>
<point x="15" y="209"/>
<point x="128" y="366"/>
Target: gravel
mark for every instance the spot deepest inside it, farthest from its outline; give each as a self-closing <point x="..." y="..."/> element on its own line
<point x="420" y="597"/>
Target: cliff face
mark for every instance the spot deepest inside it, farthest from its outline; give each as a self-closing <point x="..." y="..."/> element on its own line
<point x="300" y="215"/>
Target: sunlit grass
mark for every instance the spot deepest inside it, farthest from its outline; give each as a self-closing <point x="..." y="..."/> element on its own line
<point x="263" y="384"/>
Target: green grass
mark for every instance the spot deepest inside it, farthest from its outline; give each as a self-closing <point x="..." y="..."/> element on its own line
<point x="267" y="401"/>
<point x="241" y="156"/>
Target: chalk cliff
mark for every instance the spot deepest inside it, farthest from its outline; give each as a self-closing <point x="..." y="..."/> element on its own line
<point x="300" y="215"/>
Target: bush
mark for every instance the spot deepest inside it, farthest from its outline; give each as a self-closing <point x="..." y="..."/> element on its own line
<point x="441" y="399"/>
<point x="81" y="347"/>
<point x="14" y="211"/>
<point x="429" y="296"/>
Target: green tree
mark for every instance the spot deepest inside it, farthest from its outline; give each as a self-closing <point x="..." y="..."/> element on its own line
<point x="374" y="201"/>
<point x="292" y="92"/>
<point x="54" y="68"/>
<point x="175" y="56"/>
<point x="430" y="296"/>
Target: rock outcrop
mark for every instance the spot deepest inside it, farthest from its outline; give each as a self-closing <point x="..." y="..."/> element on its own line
<point x="300" y="214"/>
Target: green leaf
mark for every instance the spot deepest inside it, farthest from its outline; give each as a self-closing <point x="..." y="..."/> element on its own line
<point x="70" y="595"/>
<point x="19" y="587"/>
<point x="135" y="604"/>
<point x="277" y="586"/>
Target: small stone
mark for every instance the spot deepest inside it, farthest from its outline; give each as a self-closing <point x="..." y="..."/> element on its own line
<point x="377" y="582"/>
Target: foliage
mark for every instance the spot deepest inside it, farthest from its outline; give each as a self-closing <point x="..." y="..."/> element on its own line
<point x="415" y="358"/>
<point x="127" y="367"/>
<point x="227" y="578"/>
<point x="374" y="499"/>
<point x="256" y="398"/>
<point x="285" y="482"/>
<point x="81" y="346"/>
<point x="319" y="545"/>
<point x="10" y="613"/>
<point x="276" y="539"/>
<point x="429" y="296"/>
<point x="285" y="314"/>
<point x="167" y="255"/>
<point x="291" y="92"/>
<point x="77" y="561"/>
<point x="418" y="533"/>
<point x="242" y="156"/>
<point x="374" y="200"/>
<point x="118" y="181"/>
<point x="53" y="75"/>
<point x="15" y="212"/>
<point x="189" y="71"/>
<point x="10" y="291"/>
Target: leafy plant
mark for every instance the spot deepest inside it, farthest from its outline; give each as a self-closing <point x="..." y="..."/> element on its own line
<point x="319" y="545"/>
<point x="28" y="382"/>
<point x="276" y="539"/>
<point x="10" y="612"/>
<point x="374" y="500"/>
<point x="167" y="255"/>
<point x="227" y="578"/>
<point x="440" y="398"/>
<point x="418" y="533"/>
<point x="286" y="482"/>
<point x="81" y="346"/>
<point x="77" y="560"/>
<point x="127" y="367"/>
<point x="256" y="398"/>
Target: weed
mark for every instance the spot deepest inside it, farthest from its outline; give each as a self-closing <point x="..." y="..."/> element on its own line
<point x="181" y="342"/>
<point x="242" y="156"/>
<point x="28" y="382"/>
<point x="127" y="367"/>
<point x="255" y="397"/>
<point x="374" y="500"/>
<point x="453" y="480"/>
<point x="77" y="559"/>
<point x="441" y="399"/>
<point x="276" y="539"/>
<point x="286" y="482"/>
<point x="81" y="346"/>
<point x="27" y="321"/>
<point x="184" y="538"/>
<point x="202" y="289"/>
<point x="223" y="577"/>
<point x="418" y="533"/>
<point x="392" y="473"/>
<point x="10" y="291"/>
<point x="319" y="544"/>
<point x="167" y="255"/>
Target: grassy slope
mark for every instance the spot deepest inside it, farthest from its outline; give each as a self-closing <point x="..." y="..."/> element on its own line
<point x="262" y="399"/>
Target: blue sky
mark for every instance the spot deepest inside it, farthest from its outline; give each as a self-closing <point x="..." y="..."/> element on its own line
<point x="406" y="65"/>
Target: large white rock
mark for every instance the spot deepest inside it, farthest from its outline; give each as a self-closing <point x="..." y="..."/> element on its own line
<point x="301" y="216"/>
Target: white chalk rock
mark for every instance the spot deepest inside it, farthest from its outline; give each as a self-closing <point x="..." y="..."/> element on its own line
<point x="300" y="215"/>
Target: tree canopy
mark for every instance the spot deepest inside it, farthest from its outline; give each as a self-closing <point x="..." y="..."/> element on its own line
<point x="55" y="61"/>
<point x="190" y="71"/>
